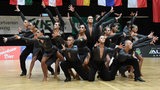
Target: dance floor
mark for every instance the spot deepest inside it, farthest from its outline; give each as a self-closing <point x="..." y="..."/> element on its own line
<point x="10" y="79"/>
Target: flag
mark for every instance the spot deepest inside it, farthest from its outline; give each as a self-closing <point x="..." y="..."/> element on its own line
<point x="137" y="3"/>
<point x="21" y="2"/>
<point x="53" y="2"/>
<point x="80" y="2"/>
<point x="156" y="12"/>
<point x="109" y="2"/>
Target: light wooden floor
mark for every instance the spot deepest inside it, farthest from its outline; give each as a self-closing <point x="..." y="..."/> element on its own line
<point x="10" y="79"/>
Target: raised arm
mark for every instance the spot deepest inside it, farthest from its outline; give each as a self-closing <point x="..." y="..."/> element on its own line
<point x="47" y="27"/>
<point x="133" y="18"/>
<point x="111" y="21"/>
<point x="74" y="29"/>
<point x="20" y="13"/>
<point x="48" y="12"/>
<point x="104" y="17"/>
<point x="72" y="9"/>
<point x="104" y="24"/>
<point x="60" y="18"/>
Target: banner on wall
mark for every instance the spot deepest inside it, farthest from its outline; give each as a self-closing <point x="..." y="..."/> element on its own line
<point x="12" y="52"/>
<point x="10" y="24"/>
<point x="9" y="52"/>
<point x="150" y="51"/>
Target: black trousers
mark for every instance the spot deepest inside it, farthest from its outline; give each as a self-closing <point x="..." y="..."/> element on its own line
<point x="23" y="57"/>
<point x="116" y="65"/>
<point x="77" y="65"/>
<point x="103" y="71"/>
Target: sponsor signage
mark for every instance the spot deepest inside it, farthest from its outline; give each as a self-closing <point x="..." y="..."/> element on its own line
<point x="10" y="24"/>
<point x="9" y="52"/>
<point x="12" y="52"/>
<point x="150" y="51"/>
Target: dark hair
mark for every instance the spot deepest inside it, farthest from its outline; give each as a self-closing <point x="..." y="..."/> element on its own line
<point x="113" y="25"/>
<point x="133" y="26"/>
<point x="70" y="36"/>
<point x="128" y="23"/>
<point x="34" y="24"/>
<point x="42" y="31"/>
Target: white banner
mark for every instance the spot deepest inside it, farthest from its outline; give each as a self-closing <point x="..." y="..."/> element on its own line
<point x="10" y="24"/>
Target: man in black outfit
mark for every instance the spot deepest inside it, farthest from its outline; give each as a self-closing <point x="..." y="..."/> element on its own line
<point x="29" y="47"/>
<point x="92" y="29"/>
<point x="126" y="56"/>
<point x="72" y="61"/>
<point x="100" y="60"/>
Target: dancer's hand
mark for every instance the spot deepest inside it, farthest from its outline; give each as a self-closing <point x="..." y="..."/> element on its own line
<point x="71" y="8"/>
<point x="151" y="35"/>
<point x="112" y="10"/>
<point x="19" y="29"/>
<point x="17" y="9"/>
<point x="120" y="15"/>
<point x="17" y="37"/>
<point x="43" y="5"/>
<point x="5" y="39"/>
<point x="63" y="47"/>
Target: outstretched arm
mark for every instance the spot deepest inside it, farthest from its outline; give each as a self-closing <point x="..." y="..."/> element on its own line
<point x="104" y="17"/>
<point x="150" y="36"/>
<point x="44" y="38"/>
<point x="20" y="13"/>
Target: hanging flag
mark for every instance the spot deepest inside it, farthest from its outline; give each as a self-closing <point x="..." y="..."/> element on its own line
<point x="53" y="2"/>
<point x="21" y="2"/>
<point x="80" y="2"/>
<point x="156" y="12"/>
<point x="137" y="3"/>
<point x="109" y="2"/>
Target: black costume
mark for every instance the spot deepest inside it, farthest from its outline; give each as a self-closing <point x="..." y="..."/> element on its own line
<point x="98" y="64"/>
<point x="73" y="61"/>
<point x="124" y="58"/>
<point x="92" y="38"/>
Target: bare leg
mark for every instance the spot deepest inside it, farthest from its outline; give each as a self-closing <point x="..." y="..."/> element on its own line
<point x="56" y="68"/>
<point x="60" y="58"/>
<point x="140" y="58"/>
<point x="44" y="68"/>
<point x="32" y="65"/>
<point x="71" y="73"/>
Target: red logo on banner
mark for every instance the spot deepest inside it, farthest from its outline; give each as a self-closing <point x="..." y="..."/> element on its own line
<point x="9" y="52"/>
